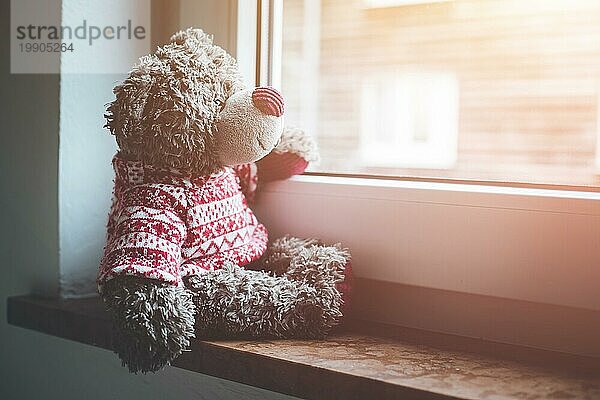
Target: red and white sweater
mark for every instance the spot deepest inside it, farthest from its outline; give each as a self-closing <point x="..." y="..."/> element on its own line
<point x="165" y="226"/>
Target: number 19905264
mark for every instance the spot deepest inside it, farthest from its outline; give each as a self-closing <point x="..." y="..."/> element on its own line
<point x="45" y="47"/>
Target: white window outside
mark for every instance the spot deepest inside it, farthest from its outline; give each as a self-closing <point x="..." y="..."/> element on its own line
<point x="409" y="120"/>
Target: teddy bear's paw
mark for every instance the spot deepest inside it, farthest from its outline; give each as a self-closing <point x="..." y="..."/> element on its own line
<point x="313" y="313"/>
<point x="296" y="141"/>
<point x="153" y="322"/>
<point x="281" y="251"/>
<point x="319" y="265"/>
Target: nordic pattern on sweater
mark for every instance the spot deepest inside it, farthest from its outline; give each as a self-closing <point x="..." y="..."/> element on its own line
<point x="165" y="226"/>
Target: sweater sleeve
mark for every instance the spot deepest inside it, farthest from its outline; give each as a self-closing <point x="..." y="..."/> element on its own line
<point x="279" y="166"/>
<point x="248" y="178"/>
<point x="146" y="235"/>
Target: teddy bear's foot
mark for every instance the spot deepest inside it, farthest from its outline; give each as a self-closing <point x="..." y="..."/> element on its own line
<point x="153" y="322"/>
<point x="313" y="262"/>
<point x="318" y="264"/>
<point x="237" y="302"/>
<point x="282" y="250"/>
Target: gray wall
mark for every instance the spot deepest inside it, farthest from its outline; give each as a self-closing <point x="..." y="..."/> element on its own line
<point x="85" y="175"/>
<point x="34" y="365"/>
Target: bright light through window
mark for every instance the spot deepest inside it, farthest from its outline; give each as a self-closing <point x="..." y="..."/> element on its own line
<point x="502" y="90"/>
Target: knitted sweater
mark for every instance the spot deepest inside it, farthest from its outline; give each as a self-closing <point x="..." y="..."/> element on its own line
<point x="165" y="226"/>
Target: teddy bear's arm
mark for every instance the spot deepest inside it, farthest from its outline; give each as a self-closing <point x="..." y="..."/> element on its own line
<point x="147" y="236"/>
<point x="291" y="156"/>
<point x="153" y="313"/>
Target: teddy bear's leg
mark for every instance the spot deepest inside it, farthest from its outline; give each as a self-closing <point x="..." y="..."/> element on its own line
<point x="153" y="321"/>
<point x="234" y="301"/>
<point x="310" y="260"/>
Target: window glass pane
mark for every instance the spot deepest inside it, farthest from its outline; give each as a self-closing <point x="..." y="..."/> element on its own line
<point x="469" y="89"/>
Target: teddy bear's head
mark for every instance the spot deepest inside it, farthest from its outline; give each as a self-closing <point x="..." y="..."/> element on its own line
<point x="186" y="107"/>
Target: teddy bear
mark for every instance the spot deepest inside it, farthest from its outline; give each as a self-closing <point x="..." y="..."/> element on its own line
<point x="185" y="255"/>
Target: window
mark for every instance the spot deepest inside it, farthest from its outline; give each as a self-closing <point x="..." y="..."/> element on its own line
<point x="408" y="120"/>
<point x="473" y="115"/>
<point x="487" y="90"/>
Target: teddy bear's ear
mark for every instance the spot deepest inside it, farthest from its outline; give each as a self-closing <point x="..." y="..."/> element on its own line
<point x="158" y="118"/>
<point x="195" y="35"/>
<point x="125" y="113"/>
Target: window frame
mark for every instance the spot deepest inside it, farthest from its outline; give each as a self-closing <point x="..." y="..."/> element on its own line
<point x="267" y="17"/>
<point x="510" y="240"/>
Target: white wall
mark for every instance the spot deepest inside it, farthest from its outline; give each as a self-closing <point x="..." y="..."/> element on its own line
<point x="86" y="148"/>
<point x="85" y="179"/>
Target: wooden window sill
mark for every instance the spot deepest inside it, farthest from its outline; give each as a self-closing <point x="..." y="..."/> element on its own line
<point x="359" y="361"/>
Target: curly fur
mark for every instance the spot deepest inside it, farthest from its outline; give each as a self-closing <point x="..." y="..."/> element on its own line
<point x="153" y="322"/>
<point x="294" y="140"/>
<point x="281" y="251"/>
<point x="164" y="113"/>
<point x="236" y="302"/>
<point x="318" y="265"/>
